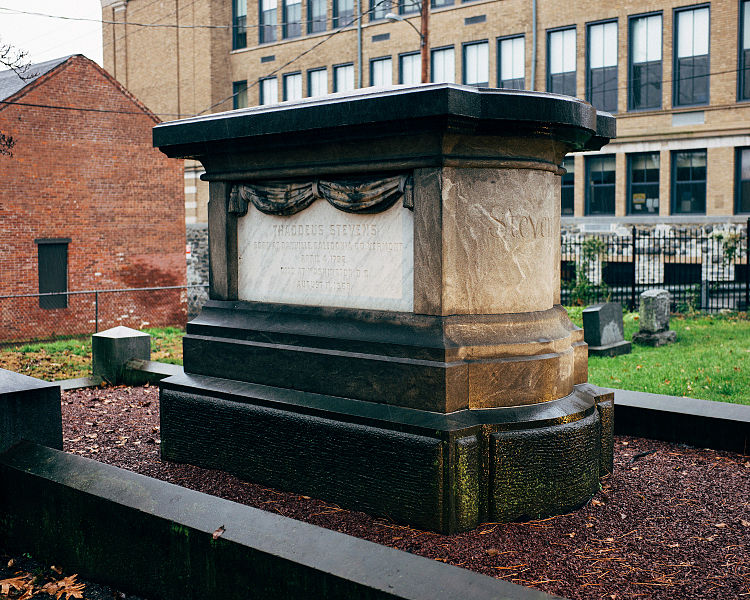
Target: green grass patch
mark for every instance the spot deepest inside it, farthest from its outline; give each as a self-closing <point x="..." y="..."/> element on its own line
<point x="71" y="358"/>
<point x="710" y="360"/>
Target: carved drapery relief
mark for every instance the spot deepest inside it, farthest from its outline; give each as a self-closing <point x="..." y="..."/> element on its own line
<point x="348" y="195"/>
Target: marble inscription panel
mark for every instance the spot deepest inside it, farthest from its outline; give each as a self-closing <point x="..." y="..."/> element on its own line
<point x="325" y="257"/>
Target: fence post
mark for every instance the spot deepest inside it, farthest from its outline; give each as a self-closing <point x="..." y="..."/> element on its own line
<point x="96" y="314"/>
<point x="635" y="271"/>
<point x="747" y="266"/>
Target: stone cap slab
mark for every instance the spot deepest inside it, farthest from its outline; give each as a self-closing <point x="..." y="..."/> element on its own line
<point x="401" y="110"/>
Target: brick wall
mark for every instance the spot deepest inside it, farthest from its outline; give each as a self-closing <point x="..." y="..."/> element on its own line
<point x="91" y="176"/>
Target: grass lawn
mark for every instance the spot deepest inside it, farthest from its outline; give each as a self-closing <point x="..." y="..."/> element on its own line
<point x="710" y="360"/>
<point x="70" y="358"/>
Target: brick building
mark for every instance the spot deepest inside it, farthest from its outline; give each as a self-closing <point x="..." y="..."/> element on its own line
<point x="676" y="75"/>
<point x="86" y="203"/>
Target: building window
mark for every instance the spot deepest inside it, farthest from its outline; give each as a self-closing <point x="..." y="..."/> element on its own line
<point x="316" y="16"/>
<point x="317" y="82"/>
<point x="643" y="183"/>
<point x="644" y="86"/>
<point x="691" y="57"/>
<point x="269" y="90"/>
<point x="410" y="68"/>
<point x="293" y="86"/>
<point x="511" y="62"/>
<point x="343" y="78"/>
<point x="239" y="24"/>
<point x="561" y="61"/>
<point x="477" y="64"/>
<point x="566" y="186"/>
<point x="408" y="7"/>
<point x="689" y="182"/>
<point x="343" y="13"/>
<point x="443" y="69"/>
<point x="742" y="186"/>
<point x="267" y="29"/>
<point x="381" y="72"/>
<point x="601" y="82"/>
<point x="744" y="66"/>
<point x="441" y="3"/>
<point x="600" y="185"/>
<point x="53" y="272"/>
<point x="239" y="94"/>
<point x="379" y="8"/>
<point x="292" y="27"/>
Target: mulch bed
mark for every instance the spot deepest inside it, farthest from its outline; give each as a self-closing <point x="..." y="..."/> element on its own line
<point x="671" y="522"/>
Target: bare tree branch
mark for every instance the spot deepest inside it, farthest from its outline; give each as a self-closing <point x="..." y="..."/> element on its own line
<point x="17" y="61"/>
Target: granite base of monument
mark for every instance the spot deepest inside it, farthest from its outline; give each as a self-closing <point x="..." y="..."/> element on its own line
<point x="444" y="472"/>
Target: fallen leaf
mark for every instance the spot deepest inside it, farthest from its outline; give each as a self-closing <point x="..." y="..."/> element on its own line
<point x="720" y="525"/>
<point x="596" y="502"/>
<point x="217" y="534"/>
<point x="492" y="551"/>
<point x="673" y="545"/>
<point x="572" y="534"/>
<point x="11" y="562"/>
<point x="744" y="524"/>
<point x="589" y="525"/>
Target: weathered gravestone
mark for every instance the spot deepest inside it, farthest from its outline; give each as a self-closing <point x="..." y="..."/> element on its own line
<point x="653" y="319"/>
<point x="384" y="329"/>
<point x="603" y="330"/>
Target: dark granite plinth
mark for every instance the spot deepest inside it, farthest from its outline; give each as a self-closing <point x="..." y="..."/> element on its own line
<point x="29" y="410"/>
<point x="446" y="472"/>
<point x="615" y="349"/>
<point x="111" y="349"/>
<point x="659" y="338"/>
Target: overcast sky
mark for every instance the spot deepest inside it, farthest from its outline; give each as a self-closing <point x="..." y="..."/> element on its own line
<point x="47" y="37"/>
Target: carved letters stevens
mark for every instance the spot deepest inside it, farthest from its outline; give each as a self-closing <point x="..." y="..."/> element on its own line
<point x="350" y="195"/>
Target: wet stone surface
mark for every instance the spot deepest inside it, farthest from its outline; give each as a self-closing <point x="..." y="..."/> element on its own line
<point x="671" y="522"/>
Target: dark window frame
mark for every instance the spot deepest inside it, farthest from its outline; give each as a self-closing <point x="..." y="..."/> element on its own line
<point x="267" y="31"/>
<point x="629" y="183"/>
<point x="631" y="64"/>
<point x="498" y="60"/>
<point x="260" y="87"/>
<point x="402" y="7"/>
<point x="675" y="67"/>
<point x="548" y="74"/>
<point x="334" y="70"/>
<point x="60" y="299"/>
<point x="237" y="88"/>
<point x="588" y="163"/>
<point x="400" y="65"/>
<point x="743" y="91"/>
<point x="673" y="181"/>
<point x="309" y="79"/>
<point x="568" y="186"/>
<point x="283" y="84"/>
<point x="738" y="182"/>
<point x="464" y="46"/>
<point x="239" y="28"/>
<point x="290" y="29"/>
<point x="589" y="90"/>
<point x="337" y="17"/>
<point x="316" y="25"/>
<point x="372" y="71"/>
<point x="376" y="9"/>
<point x="432" y="59"/>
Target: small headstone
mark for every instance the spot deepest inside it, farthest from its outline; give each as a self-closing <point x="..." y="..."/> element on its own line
<point x="113" y="348"/>
<point x="653" y="321"/>
<point x="603" y="330"/>
<point x="29" y="410"/>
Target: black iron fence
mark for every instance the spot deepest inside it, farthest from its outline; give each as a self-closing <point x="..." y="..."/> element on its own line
<point x="704" y="269"/>
<point x="25" y="317"/>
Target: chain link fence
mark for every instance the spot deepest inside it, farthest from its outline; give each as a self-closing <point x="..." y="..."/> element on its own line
<point x="703" y="269"/>
<point x="26" y="317"/>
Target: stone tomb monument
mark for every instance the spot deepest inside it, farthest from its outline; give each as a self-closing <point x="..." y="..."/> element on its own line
<point x="384" y="328"/>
